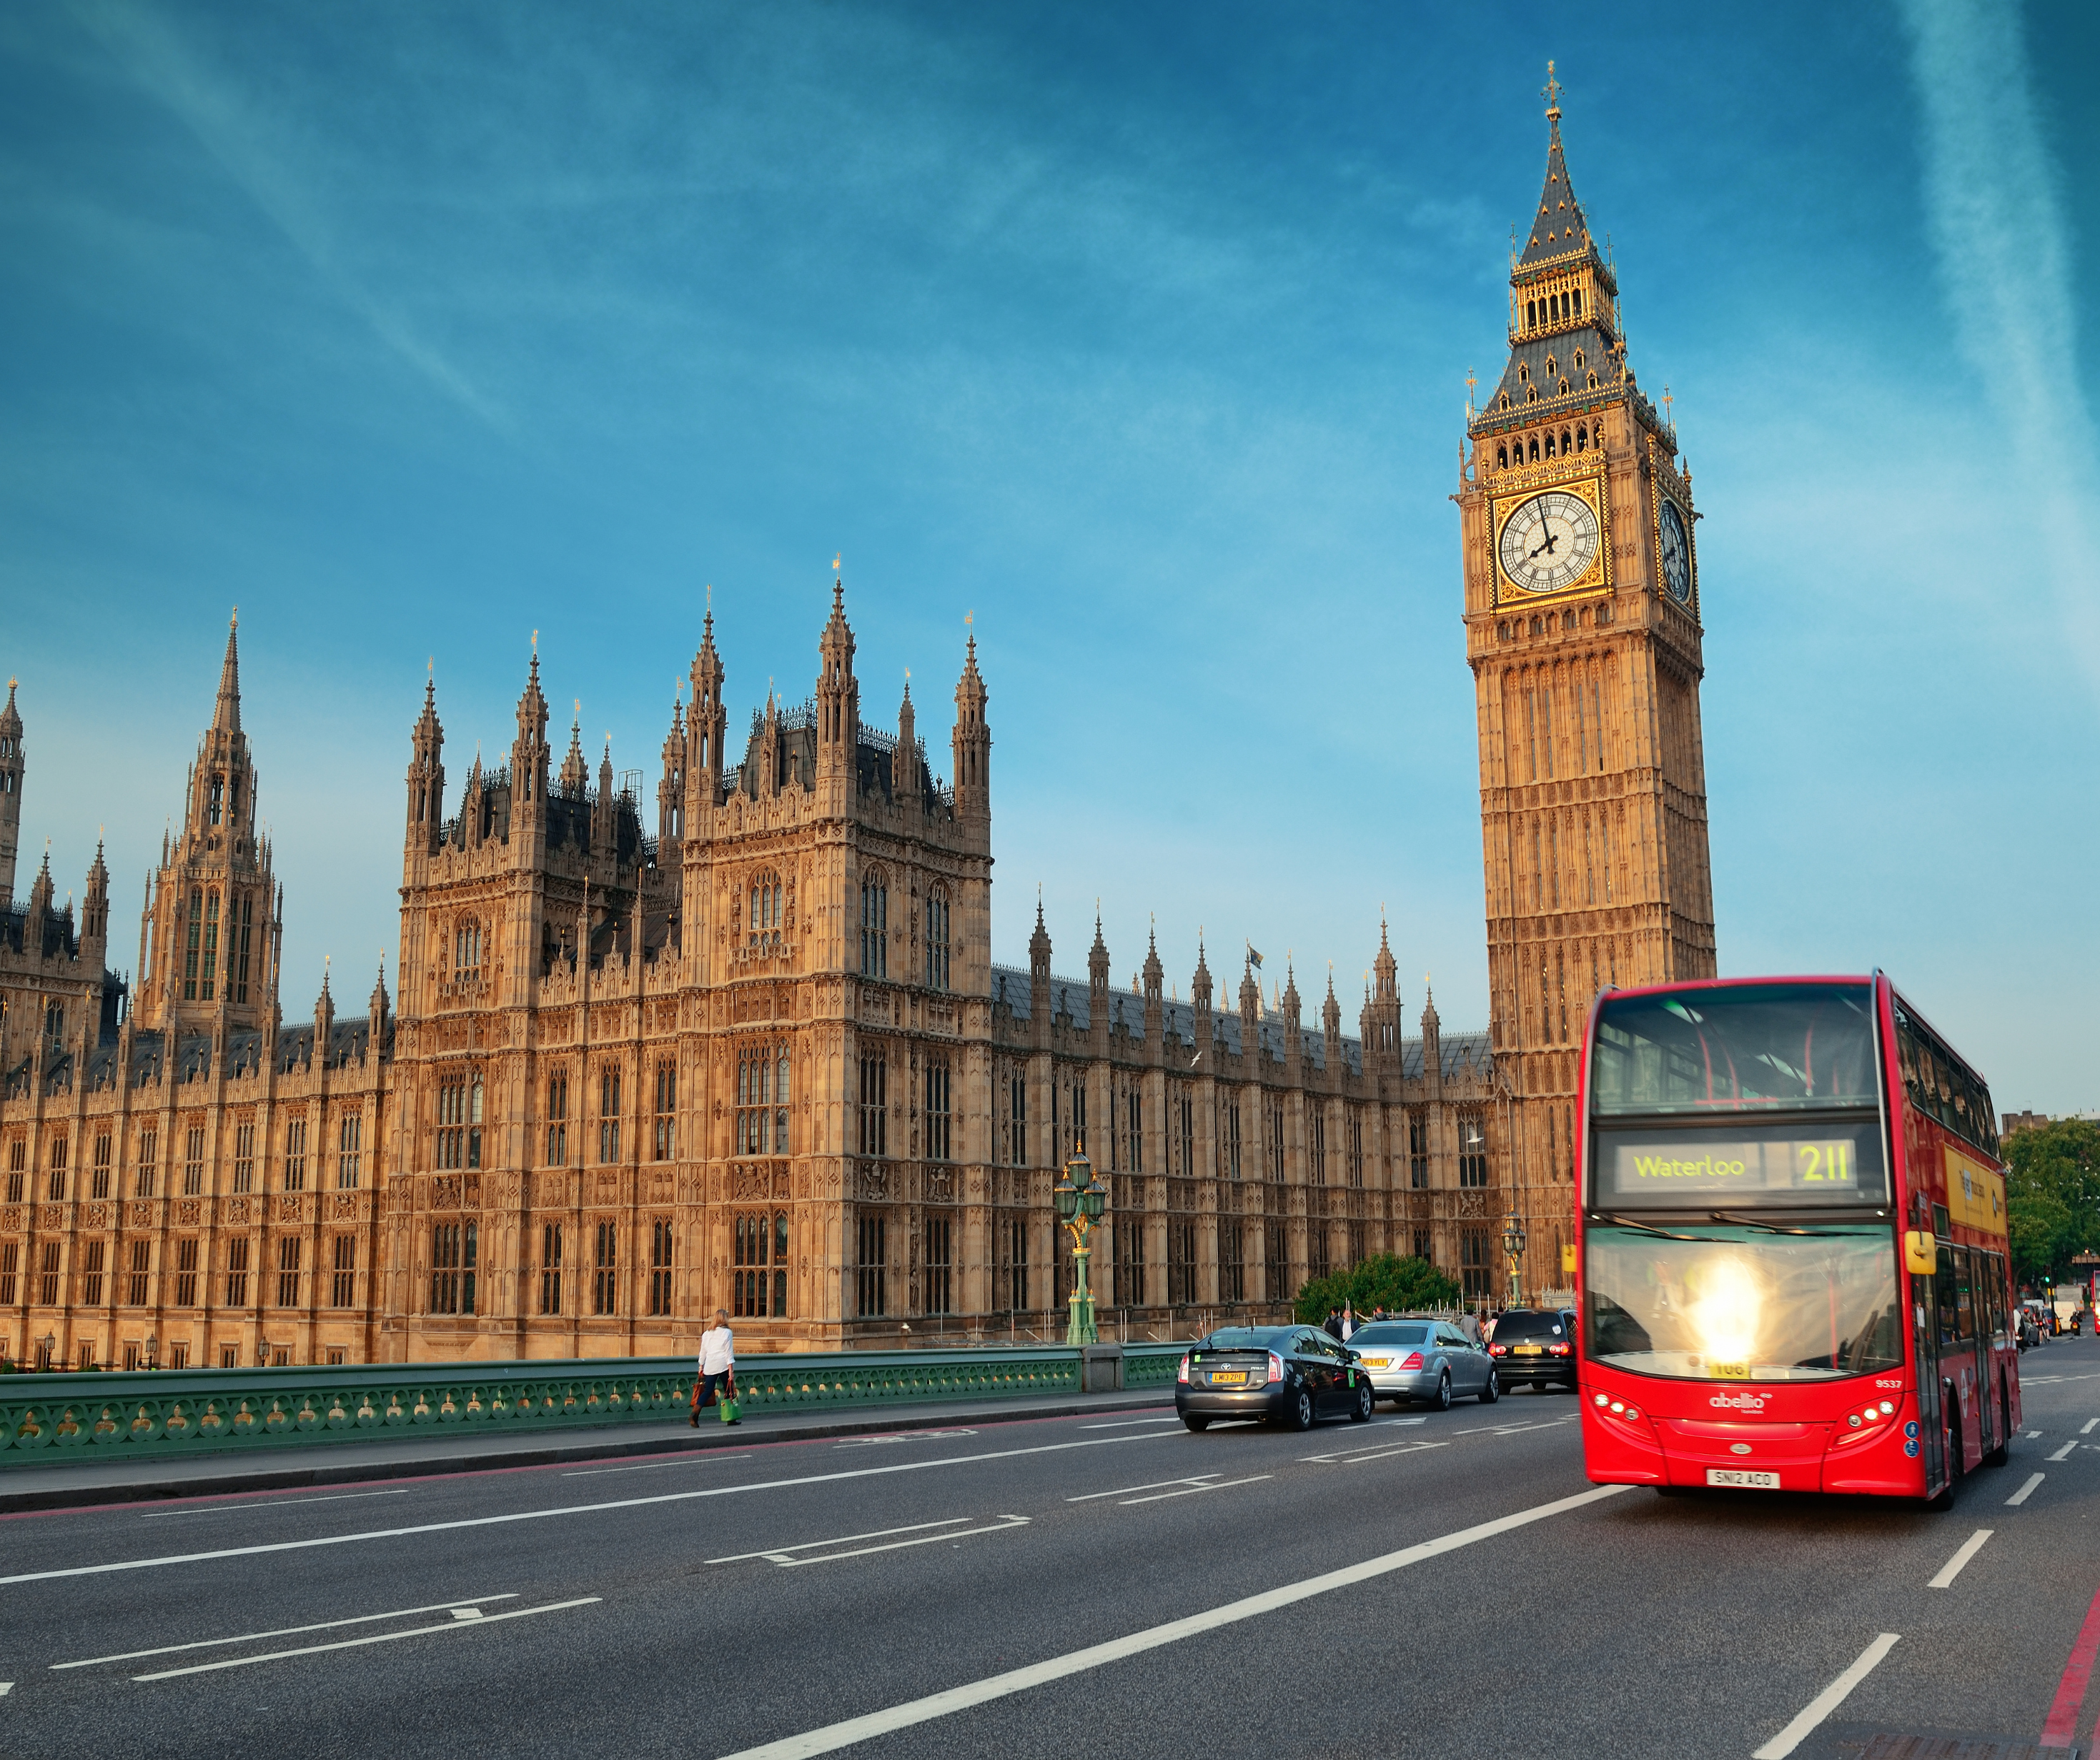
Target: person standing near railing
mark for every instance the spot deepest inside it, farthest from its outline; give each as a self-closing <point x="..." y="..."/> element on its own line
<point x="718" y="1366"/>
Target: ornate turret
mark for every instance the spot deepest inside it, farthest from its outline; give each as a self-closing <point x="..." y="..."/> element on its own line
<point x="1330" y="1023"/>
<point x="1433" y="1042"/>
<point x="708" y="725"/>
<point x="971" y="742"/>
<point x="11" y="794"/>
<point x="906" y="780"/>
<point x="529" y="754"/>
<point x="601" y="819"/>
<point x="426" y="775"/>
<point x="838" y="694"/>
<point x="576" y="773"/>
<point x="378" y="1004"/>
<point x="1038" y="972"/>
<point x="94" y="913"/>
<point x="671" y="791"/>
<point x="1154" y="978"/>
<point x="1199" y="997"/>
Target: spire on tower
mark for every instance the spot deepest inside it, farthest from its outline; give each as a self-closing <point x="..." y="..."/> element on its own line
<point x="226" y="717"/>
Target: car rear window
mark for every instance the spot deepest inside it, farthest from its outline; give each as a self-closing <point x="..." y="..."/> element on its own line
<point x="1417" y="1333"/>
<point x="1245" y="1338"/>
<point x="1527" y="1326"/>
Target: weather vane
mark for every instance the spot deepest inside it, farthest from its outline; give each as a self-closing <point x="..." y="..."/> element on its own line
<point x="1550" y="92"/>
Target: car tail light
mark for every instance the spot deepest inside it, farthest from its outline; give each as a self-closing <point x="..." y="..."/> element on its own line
<point x="1413" y="1360"/>
<point x="1557" y="1350"/>
<point x="1275" y="1367"/>
<point x="1498" y="1350"/>
<point x="1184" y="1375"/>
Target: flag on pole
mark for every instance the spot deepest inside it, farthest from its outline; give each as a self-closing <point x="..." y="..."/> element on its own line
<point x="1254" y="954"/>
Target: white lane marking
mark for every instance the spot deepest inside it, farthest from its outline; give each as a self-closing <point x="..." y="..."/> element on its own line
<point x="1827" y="1701"/>
<point x="900" y="1436"/>
<point x="2064" y="1450"/>
<point x="220" y="1509"/>
<point x="1003" y="1525"/>
<point x="353" y="1644"/>
<point x="1088" y="1497"/>
<point x="836" y="1735"/>
<point x="1121" y="1422"/>
<point x="2025" y="1491"/>
<point x="1970" y="1548"/>
<point x="2089" y="1424"/>
<point x="2032" y="1434"/>
<point x="466" y="1613"/>
<point x="281" y="1631"/>
<point x="1378" y="1450"/>
<point x="702" y="1459"/>
<point x="570" y="1509"/>
<point x="873" y="1533"/>
<point x="6" y="1688"/>
<point x="1226" y="1486"/>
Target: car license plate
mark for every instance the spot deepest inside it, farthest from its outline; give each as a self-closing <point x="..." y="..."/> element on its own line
<point x="1755" y="1481"/>
<point x="1378" y="1362"/>
<point x="1527" y="1350"/>
<point x="1228" y="1377"/>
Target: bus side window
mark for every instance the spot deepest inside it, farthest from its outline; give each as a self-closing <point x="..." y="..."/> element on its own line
<point x="1943" y="1284"/>
<point x="1965" y="1294"/>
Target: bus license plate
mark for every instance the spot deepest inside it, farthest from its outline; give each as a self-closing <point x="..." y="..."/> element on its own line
<point x="1755" y="1481"/>
<point x="1228" y="1377"/>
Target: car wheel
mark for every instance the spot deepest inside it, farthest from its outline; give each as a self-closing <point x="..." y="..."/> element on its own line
<point x="1442" y="1400"/>
<point x="1196" y="1421"/>
<point x="1491" y="1390"/>
<point x="1362" y="1410"/>
<point x="1301" y="1410"/>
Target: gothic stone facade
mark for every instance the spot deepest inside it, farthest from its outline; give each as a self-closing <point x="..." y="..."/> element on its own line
<point x="756" y="1057"/>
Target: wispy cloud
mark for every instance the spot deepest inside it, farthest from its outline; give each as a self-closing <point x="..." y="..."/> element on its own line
<point x="2000" y="232"/>
<point x="230" y="130"/>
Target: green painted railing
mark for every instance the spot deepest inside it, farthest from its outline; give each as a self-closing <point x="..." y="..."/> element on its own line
<point x="45" y="1419"/>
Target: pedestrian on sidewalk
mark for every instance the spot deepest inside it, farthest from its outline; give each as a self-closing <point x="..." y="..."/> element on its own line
<point x="718" y="1366"/>
<point x="1349" y="1322"/>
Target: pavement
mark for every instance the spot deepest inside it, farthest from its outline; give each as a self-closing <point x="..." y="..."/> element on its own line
<point x="1429" y="1584"/>
<point x="75" y="1481"/>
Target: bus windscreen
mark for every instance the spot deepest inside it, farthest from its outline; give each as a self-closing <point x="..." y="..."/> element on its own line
<point x="1743" y="1047"/>
<point x="1737" y="1163"/>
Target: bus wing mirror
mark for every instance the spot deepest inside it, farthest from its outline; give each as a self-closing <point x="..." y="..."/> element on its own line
<point x="1920" y="1252"/>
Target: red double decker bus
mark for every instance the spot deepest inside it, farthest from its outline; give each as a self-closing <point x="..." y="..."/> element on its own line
<point x="1792" y="1244"/>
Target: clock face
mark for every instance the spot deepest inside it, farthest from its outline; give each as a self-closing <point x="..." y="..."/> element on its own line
<point x="1676" y="552"/>
<point x="1550" y="541"/>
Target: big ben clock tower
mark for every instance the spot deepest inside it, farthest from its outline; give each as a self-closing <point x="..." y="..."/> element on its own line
<point x="1582" y="630"/>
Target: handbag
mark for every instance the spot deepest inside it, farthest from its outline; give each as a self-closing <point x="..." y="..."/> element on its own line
<point x="728" y="1404"/>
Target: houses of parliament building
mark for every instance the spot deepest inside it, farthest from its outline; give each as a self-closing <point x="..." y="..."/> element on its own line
<point x="749" y="1050"/>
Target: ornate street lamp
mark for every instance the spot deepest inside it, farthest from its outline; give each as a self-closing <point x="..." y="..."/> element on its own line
<point x="152" y="1346"/>
<point x="1513" y="1246"/>
<point x="51" y="1351"/>
<point x="1080" y="1199"/>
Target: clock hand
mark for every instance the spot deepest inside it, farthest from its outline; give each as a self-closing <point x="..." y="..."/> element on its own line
<point x="1546" y="547"/>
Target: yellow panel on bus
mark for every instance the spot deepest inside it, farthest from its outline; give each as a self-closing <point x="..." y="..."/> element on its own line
<point x="1974" y="1194"/>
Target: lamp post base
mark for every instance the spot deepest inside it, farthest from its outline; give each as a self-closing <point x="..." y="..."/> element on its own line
<point x="1081" y="1330"/>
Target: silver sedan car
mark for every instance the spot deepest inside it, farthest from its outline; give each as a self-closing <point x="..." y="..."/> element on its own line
<point x="1428" y="1360"/>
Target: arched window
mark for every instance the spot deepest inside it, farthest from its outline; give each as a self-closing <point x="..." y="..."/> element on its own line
<point x="936" y="939"/>
<point x="1534" y="449"/>
<point x="1564" y="436"/>
<point x="762" y="1100"/>
<point x="1531" y="315"/>
<point x="210" y="968"/>
<point x="1593" y="381"/>
<point x="460" y="1105"/>
<point x="1502" y="457"/>
<point x="873" y="927"/>
<point x="1552" y="367"/>
<point x="1582" y="439"/>
<point x="467" y="949"/>
<point x="758" y="1286"/>
<point x="763" y="926"/>
<point x="212" y="813"/>
<point x="1579" y="353"/>
<point x="1578" y="297"/>
<point x="1549" y="443"/>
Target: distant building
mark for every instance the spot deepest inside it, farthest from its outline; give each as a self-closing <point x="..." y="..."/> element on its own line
<point x="2016" y="1122"/>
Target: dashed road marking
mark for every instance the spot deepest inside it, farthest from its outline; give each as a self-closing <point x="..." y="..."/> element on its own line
<point x="1828" y="1700"/>
<point x="1088" y="1497"/>
<point x="2025" y="1491"/>
<point x="353" y="1644"/>
<point x="283" y="1631"/>
<point x="1223" y="1486"/>
<point x="1953" y="1569"/>
<point x="2064" y="1452"/>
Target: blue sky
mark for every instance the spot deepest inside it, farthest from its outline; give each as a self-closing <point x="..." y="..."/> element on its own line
<point x="1142" y="333"/>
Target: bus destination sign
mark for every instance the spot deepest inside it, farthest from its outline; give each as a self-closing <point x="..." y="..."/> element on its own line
<point x="1768" y="1163"/>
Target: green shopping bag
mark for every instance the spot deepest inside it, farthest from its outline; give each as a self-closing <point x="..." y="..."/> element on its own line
<point x="728" y="1404"/>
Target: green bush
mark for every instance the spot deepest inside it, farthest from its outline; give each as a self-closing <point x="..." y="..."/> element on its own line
<point x="1384" y="1281"/>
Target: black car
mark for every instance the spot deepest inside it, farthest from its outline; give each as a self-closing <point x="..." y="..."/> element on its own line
<point x="1289" y="1374"/>
<point x="1534" y="1346"/>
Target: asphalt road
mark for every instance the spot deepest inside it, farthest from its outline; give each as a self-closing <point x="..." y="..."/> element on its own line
<point x="1439" y="1584"/>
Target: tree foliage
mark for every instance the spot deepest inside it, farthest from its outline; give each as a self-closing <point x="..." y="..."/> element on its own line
<point x="2052" y="1197"/>
<point x="1385" y="1280"/>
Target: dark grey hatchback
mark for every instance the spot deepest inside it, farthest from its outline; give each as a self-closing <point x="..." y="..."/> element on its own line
<point x="1288" y="1375"/>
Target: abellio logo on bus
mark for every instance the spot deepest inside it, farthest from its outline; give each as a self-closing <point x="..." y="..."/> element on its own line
<point x="1737" y="1402"/>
